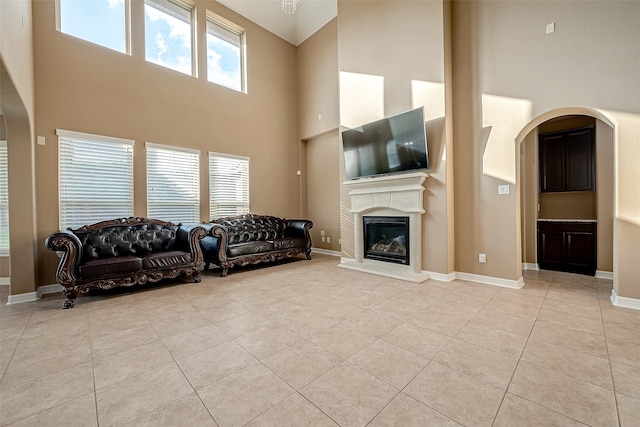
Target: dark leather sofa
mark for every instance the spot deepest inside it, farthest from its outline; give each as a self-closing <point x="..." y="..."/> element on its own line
<point x="125" y="252"/>
<point x="252" y="239"/>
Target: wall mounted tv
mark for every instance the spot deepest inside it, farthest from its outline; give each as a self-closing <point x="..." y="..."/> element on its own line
<point x="393" y="144"/>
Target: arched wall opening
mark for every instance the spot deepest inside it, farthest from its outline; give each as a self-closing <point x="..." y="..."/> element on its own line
<point x="598" y="205"/>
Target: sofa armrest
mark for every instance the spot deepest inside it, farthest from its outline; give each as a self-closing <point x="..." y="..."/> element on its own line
<point x="71" y="248"/>
<point x="188" y="237"/>
<point x="299" y="228"/>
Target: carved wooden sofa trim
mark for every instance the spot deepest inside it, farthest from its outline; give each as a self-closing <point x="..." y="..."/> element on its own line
<point x="252" y="239"/>
<point x="125" y="252"/>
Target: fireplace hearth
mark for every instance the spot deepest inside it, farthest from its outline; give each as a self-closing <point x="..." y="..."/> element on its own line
<point x="386" y="239"/>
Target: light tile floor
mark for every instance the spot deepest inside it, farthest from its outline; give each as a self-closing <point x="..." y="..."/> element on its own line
<point x="307" y="343"/>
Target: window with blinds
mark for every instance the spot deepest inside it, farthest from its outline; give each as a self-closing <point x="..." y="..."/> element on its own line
<point x="4" y="199"/>
<point x="95" y="178"/>
<point x="228" y="185"/>
<point x="173" y="184"/>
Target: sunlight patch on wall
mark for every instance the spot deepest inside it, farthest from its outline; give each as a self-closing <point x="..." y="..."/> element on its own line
<point x="626" y="165"/>
<point x="361" y="98"/>
<point x="431" y="96"/>
<point x="506" y="117"/>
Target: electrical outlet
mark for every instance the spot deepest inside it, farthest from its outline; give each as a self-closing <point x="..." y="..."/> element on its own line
<point x="328" y="239"/>
<point x="482" y="258"/>
<point x="503" y="189"/>
<point x="322" y="232"/>
<point x="322" y="239"/>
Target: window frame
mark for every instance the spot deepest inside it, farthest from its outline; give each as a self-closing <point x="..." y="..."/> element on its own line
<point x="245" y="205"/>
<point x="232" y="27"/>
<point x="195" y="177"/>
<point x="193" y="34"/>
<point x="79" y="137"/>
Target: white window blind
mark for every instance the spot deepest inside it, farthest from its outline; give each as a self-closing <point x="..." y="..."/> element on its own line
<point x="173" y="184"/>
<point x="95" y="178"/>
<point x="4" y="199"/>
<point x="228" y="185"/>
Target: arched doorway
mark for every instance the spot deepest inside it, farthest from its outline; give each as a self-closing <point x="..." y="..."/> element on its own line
<point x="603" y="198"/>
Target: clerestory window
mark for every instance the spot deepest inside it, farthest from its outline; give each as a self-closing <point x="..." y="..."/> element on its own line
<point x="225" y="53"/>
<point x="168" y="31"/>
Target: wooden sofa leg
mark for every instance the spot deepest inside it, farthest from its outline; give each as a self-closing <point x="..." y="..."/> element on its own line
<point x="71" y="294"/>
<point x="196" y="276"/>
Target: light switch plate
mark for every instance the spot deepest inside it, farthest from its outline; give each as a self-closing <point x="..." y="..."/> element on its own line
<point x="503" y="189"/>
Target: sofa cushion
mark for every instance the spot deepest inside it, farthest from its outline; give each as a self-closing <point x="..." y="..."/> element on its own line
<point x="250" y="248"/>
<point x="167" y="259"/>
<point x="108" y="266"/>
<point x="288" y="243"/>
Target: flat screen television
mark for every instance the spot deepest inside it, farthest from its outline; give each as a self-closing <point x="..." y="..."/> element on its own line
<point x="393" y="144"/>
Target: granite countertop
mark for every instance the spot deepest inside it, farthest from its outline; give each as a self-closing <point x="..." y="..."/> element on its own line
<point x="566" y="220"/>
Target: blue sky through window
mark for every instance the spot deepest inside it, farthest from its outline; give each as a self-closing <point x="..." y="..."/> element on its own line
<point x="98" y="21"/>
<point x="223" y="63"/>
<point x="167" y="39"/>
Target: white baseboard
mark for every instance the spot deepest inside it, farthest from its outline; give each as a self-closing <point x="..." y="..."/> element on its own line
<point x="441" y="277"/>
<point x="326" y="252"/>
<point x="5" y="281"/>
<point x="607" y="275"/>
<point x="49" y="289"/>
<point x="624" y="302"/>
<point x="530" y="266"/>
<point x="20" y="298"/>
<point x="34" y="296"/>
<point x="489" y="280"/>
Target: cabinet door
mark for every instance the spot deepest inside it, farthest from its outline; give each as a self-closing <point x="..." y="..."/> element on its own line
<point x="567" y="160"/>
<point x="551" y="249"/>
<point x="579" y="164"/>
<point x="552" y="156"/>
<point x="581" y="251"/>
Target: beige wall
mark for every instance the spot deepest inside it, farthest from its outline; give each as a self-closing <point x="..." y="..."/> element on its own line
<point x="323" y="189"/>
<point x="17" y="102"/>
<point x="502" y="49"/>
<point x="317" y="61"/>
<point x="86" y="88"/>
<point x="391" y="57"/>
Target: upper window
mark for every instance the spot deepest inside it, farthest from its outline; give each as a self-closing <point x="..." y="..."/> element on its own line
<point x="228" y="185"/>
<point x="103" y="22"/>
<point x="95" y="178"/>
<point x="225" y="53"/>
<point x="4" y="199"/>
<point x="173" y="183"/>
<point x="168" y="34"/>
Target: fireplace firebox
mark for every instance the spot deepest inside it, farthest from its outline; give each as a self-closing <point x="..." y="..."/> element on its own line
<point x="386" y="238"/>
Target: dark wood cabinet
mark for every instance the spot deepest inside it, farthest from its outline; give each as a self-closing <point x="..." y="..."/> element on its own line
<point x="566" y="160"/>
<point x="567" y="246"/>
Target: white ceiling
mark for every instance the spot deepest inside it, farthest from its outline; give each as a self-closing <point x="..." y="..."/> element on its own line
<point x="310" y="16"/>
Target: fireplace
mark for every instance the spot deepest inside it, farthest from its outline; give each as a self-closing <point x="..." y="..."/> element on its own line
<point x="389" y="199"/>
<point x="386" y="238"/>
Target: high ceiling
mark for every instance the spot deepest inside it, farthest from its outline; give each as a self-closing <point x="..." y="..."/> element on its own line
<point x="310" y="16"/>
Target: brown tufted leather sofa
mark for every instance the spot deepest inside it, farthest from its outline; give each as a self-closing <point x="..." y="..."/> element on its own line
<point x="125" y="252"/>
<point x="252" y="239"/>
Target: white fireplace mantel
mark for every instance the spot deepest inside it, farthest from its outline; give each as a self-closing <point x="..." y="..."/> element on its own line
<point x="392" y="195"/>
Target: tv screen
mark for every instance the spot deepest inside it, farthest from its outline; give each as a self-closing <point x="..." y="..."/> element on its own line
<point x="394" y="144"/>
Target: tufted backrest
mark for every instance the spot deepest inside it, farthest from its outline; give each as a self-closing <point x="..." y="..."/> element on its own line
<point x="139" y="239"/>
<point x="251" y="227"/>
